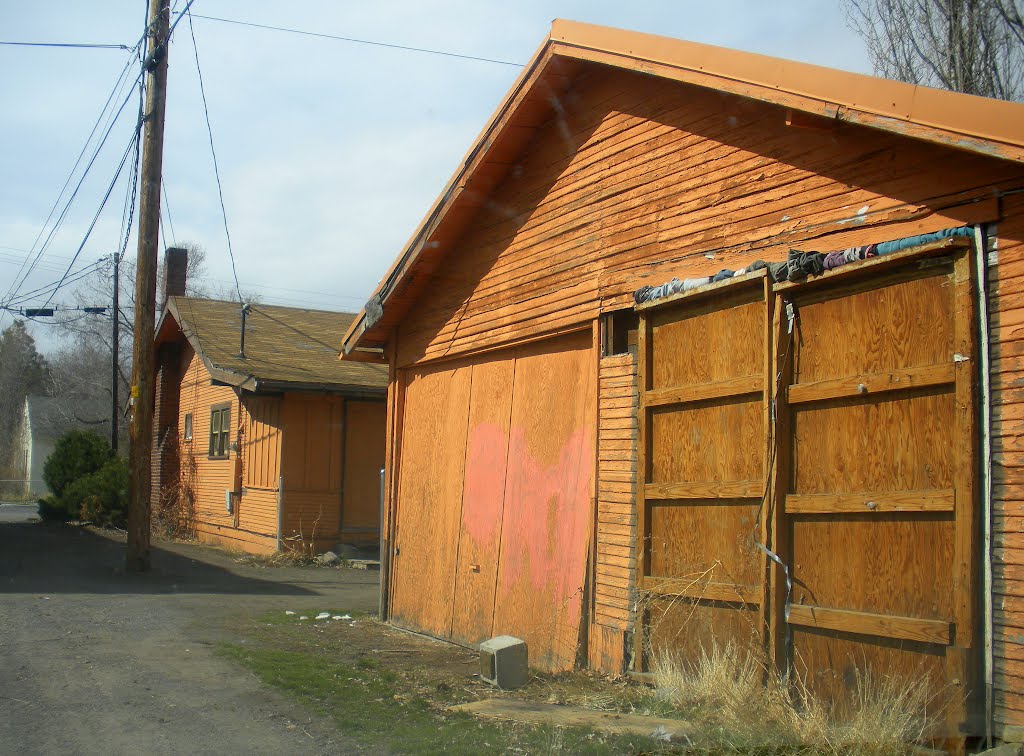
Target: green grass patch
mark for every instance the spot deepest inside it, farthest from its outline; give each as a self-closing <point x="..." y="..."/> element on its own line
<point x="371" y="704"/>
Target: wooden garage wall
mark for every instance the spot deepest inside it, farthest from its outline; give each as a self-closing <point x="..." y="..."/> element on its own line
<point x="641" y="178"/>
<point x="313" y="427"/>
<point x="1006" y="318"/>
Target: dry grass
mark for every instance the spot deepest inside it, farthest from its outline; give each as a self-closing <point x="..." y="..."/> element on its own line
<point x="741" y="705"/>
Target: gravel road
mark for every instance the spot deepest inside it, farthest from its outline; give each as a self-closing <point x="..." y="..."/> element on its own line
<point x="96" y="661"/>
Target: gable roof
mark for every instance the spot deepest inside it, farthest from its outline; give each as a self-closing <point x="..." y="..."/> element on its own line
<point x="50" y="417"/>
<point x="965" y="122"/>
<point x="285" y="347"/>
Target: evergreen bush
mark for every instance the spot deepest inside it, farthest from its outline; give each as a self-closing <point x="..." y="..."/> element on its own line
<point x="76" y="454"/>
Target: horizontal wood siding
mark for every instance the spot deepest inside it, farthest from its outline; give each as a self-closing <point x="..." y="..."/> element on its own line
<point x="208" y="478"/>
<point x="640" y="179"/>
<point x="257" y="512"/>
<point x="616" y="485"/>
<point x="1006" y="315"/>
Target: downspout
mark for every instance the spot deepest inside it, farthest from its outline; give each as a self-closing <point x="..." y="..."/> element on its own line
<point x="280" y="490"/>
<point x="981" y="270"/>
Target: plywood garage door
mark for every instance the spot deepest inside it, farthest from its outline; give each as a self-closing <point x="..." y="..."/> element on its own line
<point x="495" y="497"/>
<point x="703" y="431"/>
<point x="878" y="506"/>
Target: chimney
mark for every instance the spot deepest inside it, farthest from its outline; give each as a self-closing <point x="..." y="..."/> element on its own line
<point x="175" y="266"/>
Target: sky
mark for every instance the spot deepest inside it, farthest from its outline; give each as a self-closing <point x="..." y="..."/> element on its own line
<point x="330" y="152"/>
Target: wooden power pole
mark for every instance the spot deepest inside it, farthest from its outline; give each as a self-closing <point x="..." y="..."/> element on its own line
<point x="143" y="391"/>
<point x="115" y="337"/>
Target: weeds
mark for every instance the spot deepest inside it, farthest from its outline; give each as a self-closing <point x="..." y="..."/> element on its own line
<point x="740" y="704"/>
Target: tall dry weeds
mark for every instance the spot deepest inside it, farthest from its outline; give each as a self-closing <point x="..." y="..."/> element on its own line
<point x="738" y="703"/>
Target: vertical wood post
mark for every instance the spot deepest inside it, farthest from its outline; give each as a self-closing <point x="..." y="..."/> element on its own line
<point x="142" y="391"/>
<point x="115" y="328"/>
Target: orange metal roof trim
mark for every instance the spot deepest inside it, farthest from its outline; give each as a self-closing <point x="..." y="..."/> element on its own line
<point x="977" y="124"/>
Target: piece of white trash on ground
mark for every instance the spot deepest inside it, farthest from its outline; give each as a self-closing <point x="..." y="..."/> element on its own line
<point x="303" y="617"/>
<point x="289" y="612"/>
<point x="344" y="616"/>
<point x="337" y="616"/>
<point x="323" y="615"/>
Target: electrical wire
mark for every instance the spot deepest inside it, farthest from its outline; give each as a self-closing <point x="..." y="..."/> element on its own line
<point x="166" y="205"/>
<point x="88" y="45"/>
<point x="50" y="288"/>
<point x="15" y="282"/>
<point x="96" y="217"/>
<point x="16" y="287"/>
<point x="213" y="152"/>
<point x="357" y="41"/>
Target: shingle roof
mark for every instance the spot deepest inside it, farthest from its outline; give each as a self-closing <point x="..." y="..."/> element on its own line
<point x="285" y="347"/>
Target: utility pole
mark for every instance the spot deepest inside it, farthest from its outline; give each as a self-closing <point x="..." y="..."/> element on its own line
<point x="142" y="391"/>
<point x="115" y="328"/>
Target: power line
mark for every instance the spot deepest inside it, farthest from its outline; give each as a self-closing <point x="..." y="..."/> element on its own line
<point x="13" y="290"/>
<point x="78" y="161"/>
<point x="213" y="152"/>
<point x="357" y="41"/>
<point x="96" y="217"/>
<point x="86" y="45"/>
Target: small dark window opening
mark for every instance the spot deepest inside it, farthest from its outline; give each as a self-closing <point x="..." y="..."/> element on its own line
<point x="188" y="426"/>
<point x="618" y="332"/>
<point x="220" y="430"/>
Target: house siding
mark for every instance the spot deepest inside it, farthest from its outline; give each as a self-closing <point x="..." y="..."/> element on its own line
<point x="1006" y="322"/>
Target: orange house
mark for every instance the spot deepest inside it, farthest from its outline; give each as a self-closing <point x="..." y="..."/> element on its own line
<point x="825" y="461"/>
<point x="279" y="446"/>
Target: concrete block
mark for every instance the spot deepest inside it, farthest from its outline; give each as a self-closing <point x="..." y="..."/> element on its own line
<point x="504" y="662"/>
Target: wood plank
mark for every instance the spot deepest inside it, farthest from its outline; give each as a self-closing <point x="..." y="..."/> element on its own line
<point x="866" y="623"/>
<point x="965" y="441"/>
<point x="874" y="383"/>
<point x="932" y="500"/>
<point x="710" y="289"/>
<point x="733" y="489"/>
<point x="741" y="386"/>
<point x="702" y="590"/>
<point x="873" y="265"/>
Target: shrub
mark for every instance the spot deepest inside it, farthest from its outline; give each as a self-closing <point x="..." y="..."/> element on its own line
<point x="75" y="455"/>
<point x="102" y="497"/>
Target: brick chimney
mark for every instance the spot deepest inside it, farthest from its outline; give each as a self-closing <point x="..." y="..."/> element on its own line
<point x="175" y="268"/>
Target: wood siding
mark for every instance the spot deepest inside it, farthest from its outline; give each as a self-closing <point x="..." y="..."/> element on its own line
<point x="1006" y="318"/>
<point x="313" y="426"/>
<point x="616" y="488"/>
<point x="207" y="478"/>
<point x="638" y="180"/>
<point x="365" y="425"/>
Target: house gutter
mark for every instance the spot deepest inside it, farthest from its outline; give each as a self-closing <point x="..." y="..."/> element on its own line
<point x="981" y="270"/>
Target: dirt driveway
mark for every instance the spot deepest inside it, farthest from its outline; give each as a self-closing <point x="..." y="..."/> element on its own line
<point x="96" y="661"/>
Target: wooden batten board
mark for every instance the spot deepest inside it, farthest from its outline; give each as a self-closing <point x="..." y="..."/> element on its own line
<point x="866" y="623"/>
